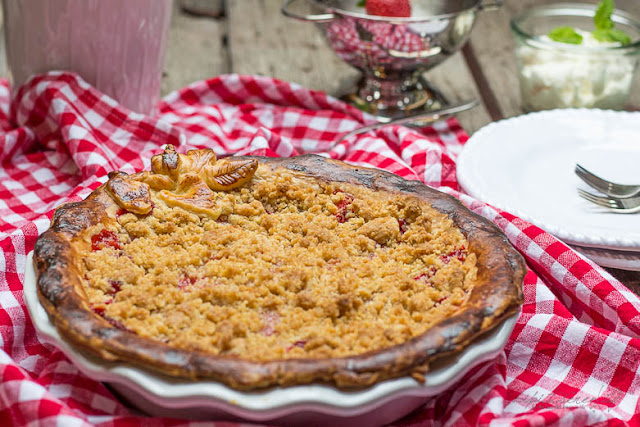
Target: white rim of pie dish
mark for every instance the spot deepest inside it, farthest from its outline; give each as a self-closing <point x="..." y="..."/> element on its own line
<point x="271" y="403"/>
<point x="470" y="186"/>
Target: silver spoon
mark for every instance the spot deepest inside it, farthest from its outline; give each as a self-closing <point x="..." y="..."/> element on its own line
<point x="430" y="115"/>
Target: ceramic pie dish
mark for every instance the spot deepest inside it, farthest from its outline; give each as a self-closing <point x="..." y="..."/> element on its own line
<point x="257" y="273"/>
<point x="313" y="404"/>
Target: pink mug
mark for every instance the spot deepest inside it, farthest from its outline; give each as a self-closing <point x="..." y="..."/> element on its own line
<point x="116" y="45"/>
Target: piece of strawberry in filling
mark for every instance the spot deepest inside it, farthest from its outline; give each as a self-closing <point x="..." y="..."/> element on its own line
<point x="343" y="206"/>
<point x="103" y="239"/>
<point x="459" y="254"/>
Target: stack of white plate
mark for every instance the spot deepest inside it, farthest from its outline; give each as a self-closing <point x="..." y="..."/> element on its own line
<point x="525" y="165"/>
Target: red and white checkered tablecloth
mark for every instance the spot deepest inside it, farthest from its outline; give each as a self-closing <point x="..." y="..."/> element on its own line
<point x="573" y="359"/>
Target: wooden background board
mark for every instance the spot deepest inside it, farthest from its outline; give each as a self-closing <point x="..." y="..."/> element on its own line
<point x="252" y="37"/>
<point x="263" y="41"/>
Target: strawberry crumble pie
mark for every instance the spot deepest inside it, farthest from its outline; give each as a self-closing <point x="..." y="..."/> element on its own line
<point x="259" y="272"/>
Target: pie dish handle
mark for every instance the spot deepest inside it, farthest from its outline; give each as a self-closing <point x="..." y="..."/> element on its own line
<point x="326" y="17"/>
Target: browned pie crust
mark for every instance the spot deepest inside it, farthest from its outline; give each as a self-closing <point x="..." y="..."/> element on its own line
<point x="496" y="294"/>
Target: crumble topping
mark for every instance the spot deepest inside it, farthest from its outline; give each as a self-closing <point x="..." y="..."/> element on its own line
<point x="283" y="267"/>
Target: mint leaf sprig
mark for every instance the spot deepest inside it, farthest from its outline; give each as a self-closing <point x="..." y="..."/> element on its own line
<point x="602" y="18"/>
<point x="612" y="35"/>
<point x="605" y="30"/>
<point x="565" y="35"/>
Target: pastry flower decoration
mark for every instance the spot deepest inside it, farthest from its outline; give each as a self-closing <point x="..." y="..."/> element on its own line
<point x="185" y="180"/>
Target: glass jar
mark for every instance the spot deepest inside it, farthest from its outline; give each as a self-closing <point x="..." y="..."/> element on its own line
<point x="562" y="75"/>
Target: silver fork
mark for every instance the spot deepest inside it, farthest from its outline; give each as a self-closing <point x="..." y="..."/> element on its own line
<point x="612" y="204"/>
<point x="609" y="188"/>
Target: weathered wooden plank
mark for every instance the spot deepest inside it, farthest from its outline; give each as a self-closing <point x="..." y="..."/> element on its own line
<point x="630" y="278"/>
<point x="214" y="8"/>
<point x="454" y="79"/>
<point x="3" y="57"/>
<point x="196" y="50"/>
<point x="263" y="41"/>
<point x="493" y="48"/>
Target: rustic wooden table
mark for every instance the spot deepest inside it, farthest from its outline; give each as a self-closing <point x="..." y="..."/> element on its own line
<point x="252" y="37"/>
